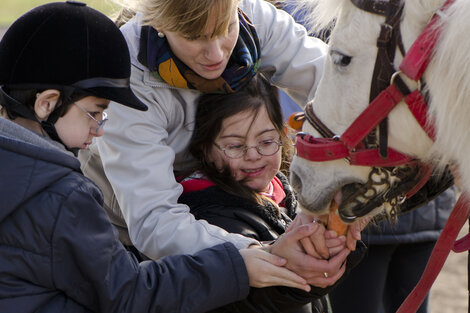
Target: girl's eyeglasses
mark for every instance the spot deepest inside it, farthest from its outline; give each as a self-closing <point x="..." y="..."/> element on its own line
<point x="266" y="148"/>
<point x="99" y="123"/>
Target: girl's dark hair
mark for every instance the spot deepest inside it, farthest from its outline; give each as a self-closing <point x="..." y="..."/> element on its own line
<point x="213" y="109"/>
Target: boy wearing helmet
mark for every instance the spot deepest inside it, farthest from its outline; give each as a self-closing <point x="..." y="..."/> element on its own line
<point x="60" y="65"/>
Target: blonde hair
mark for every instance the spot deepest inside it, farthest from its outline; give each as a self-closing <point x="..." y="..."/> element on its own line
<point x="188" y="17"/>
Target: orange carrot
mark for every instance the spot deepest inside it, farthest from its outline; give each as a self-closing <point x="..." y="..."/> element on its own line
<point x="334" y="222"/>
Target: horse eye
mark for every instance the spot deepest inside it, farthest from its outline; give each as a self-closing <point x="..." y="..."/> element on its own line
<point x="340" y="58"/>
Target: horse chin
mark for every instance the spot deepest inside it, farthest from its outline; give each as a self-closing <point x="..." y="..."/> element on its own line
<point x="317" y="185"/>
<point x="318" y="208"/>
<point x="343" y="196"/>
<point x="350" y="206"/>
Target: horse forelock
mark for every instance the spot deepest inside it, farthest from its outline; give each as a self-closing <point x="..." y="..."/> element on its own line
<point x="448" y="82"/>
<point x="319" y="13"/>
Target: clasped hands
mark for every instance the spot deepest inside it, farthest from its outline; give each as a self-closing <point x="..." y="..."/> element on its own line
<point x="314" y="253"/>
<point x="305" y="255"/>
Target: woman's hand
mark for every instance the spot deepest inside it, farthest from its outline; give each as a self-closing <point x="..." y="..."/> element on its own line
<point x="315" y="244"/>
<point x="316" y="271"/>
<point x="265" y="269"/>
<point x="328" y="271"/>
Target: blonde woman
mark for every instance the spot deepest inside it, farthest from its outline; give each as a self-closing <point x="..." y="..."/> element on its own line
<point x="179" y="50"/>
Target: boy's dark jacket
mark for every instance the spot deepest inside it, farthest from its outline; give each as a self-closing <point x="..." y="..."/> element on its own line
<point x="262" y="222"/>
<point x="59" y="253"/>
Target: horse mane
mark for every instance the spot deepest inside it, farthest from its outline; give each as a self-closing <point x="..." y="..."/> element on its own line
<point x="448" y="83"/>
<point x="318" y="13"/>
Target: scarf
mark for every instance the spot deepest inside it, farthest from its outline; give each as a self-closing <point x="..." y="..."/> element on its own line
<point x="275" y="191"/>
<point x="198" y="181"/>
<point x="156" y="54"/>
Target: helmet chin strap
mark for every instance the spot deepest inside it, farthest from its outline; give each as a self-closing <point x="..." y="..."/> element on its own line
<point x="49" y="125"/>
<point x="49" y="128"/>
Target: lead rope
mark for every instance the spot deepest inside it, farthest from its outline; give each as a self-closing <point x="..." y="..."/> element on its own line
<point x="444" y="244"/>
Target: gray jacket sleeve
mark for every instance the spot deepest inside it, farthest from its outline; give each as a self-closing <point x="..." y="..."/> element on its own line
<point x="93" y="268"/>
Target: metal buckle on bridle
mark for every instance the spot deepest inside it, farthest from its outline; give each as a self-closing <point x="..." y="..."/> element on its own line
<point x="397" y="73"/>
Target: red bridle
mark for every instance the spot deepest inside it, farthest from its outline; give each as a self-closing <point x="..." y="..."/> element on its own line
<point x="350" y="144"/>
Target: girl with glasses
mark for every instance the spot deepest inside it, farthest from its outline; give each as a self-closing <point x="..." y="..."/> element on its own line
<point x="240" y="143"/>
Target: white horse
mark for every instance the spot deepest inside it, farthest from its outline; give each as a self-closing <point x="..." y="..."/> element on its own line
<point x="343" y="94"/>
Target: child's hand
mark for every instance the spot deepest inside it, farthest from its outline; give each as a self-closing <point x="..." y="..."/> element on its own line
<point x="265" y="269"/>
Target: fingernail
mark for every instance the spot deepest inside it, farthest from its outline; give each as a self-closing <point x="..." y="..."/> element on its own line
<point x="281" y="260"/>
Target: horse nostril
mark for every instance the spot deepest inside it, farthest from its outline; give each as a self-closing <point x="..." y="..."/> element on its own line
<point x="295" y="182"/>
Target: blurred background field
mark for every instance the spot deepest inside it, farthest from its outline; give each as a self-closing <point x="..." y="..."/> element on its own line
<point x="12" y="9"/>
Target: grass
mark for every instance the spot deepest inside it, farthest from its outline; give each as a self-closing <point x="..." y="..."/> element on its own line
<point x="10" y="10"/>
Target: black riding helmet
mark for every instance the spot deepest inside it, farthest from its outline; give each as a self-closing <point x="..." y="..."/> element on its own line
<point x="66" y="46"/>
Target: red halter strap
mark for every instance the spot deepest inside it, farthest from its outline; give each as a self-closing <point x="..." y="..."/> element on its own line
<point x="415" y="62"/>
<point x="348" y="145"/>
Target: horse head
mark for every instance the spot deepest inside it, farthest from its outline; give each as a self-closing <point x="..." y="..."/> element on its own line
<point x="344" y="93"/>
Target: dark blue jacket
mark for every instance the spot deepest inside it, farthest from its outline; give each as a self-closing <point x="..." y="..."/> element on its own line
<point x="59" y="252"/>
<point x="420" y="225"/>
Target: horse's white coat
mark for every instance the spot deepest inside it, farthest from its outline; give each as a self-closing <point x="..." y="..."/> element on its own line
<point x="343" y="93"/>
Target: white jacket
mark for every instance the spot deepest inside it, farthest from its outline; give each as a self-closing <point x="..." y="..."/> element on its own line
<point x="140" y="150"/>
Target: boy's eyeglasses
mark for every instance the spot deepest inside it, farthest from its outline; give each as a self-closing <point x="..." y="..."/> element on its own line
<point x="99" y="123"/>
<point x="266" y="148"/>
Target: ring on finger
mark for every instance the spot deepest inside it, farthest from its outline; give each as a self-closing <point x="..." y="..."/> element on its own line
<point x="325" y="274"/>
